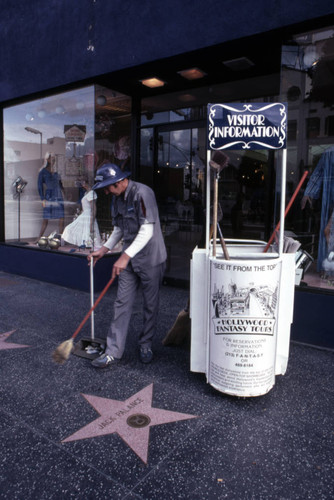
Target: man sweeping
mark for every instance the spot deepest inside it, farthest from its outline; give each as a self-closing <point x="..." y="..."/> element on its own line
<point x="142" y="262"/>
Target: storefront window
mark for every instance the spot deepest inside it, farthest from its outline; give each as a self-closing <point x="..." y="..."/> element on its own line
<point x="307" y="86"/>
<point x="52" y="148"/>
<point x="178" y="115"/>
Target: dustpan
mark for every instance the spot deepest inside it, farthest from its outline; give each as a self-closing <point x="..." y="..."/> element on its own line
<point x="90" y="347"/>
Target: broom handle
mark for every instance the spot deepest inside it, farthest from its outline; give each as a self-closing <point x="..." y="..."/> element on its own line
<point x="102" y="294"/>
<point x="286" y="210"/>
<point x="223" y="244"/>
<point x="92" y="325"/>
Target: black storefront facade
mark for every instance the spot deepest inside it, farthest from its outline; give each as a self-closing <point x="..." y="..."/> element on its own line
<point x="82" y="93"/>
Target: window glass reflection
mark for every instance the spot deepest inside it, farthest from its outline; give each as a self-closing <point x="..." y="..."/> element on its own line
<point x="52" y="148"/>
<point x="307" y="85"/>
<point x="50" y="143"/>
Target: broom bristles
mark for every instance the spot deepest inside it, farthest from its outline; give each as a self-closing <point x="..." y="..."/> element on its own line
<point x="63" y="351"/>
<point x="180" y="331"/>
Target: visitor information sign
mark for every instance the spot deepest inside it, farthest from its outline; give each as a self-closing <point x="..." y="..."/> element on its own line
<point x="247" y="126"/>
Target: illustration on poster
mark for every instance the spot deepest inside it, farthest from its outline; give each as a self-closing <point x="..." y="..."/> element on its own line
<point x="257" y="301"/>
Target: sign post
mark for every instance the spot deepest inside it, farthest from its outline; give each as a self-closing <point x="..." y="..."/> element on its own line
<point x="247" y="127"/>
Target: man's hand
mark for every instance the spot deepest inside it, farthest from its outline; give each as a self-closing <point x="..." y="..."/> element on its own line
<point x="120" y="265"/>
<point x="95" y="256"/>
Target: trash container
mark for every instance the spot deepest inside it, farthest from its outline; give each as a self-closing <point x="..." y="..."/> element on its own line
<point x="249" y="313"/>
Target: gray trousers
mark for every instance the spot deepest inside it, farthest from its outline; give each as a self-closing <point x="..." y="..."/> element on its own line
<point x="129" y="282"/>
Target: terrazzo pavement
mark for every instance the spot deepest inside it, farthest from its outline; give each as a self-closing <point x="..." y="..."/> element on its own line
<point x="277" y="446"/>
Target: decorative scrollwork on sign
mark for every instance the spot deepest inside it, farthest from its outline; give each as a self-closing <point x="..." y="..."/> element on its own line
<point x="247" y="126"/>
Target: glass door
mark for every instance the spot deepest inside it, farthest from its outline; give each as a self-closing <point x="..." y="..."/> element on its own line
<point x="180" y="159"/>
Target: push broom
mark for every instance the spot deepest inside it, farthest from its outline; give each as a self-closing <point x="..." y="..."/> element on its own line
<point x="218" y="162"/>
<point x="63" y="351"/>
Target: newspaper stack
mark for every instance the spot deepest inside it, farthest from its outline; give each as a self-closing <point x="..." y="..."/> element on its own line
<point x="290" y="245"/>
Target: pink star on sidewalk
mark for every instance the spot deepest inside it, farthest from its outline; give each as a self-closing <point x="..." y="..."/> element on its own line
<point x="130" y="419"/>
<point x="9" y="345"/>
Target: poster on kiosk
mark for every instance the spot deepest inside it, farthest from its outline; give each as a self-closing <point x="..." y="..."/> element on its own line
<point x="240" y="339"/>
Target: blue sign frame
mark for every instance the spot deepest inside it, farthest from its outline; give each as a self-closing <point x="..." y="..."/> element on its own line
<point x="247" y="126"/>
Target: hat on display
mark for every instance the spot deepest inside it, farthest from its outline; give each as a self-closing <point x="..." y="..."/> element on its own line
<point x="109" y="174"/>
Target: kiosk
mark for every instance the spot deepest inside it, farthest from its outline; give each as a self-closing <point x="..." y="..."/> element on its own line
<point x="241" y="291"/>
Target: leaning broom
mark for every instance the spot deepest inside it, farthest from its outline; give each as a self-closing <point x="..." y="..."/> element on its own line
<point x="181" y="330"/>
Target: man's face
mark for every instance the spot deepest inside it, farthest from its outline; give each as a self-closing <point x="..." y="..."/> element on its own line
<point x="115" y="189"/>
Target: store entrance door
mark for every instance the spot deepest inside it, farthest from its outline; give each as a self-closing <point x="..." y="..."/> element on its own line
<point x="180" y="159"/>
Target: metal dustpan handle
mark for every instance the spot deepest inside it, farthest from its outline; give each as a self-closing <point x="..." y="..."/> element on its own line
<point x="92" y="326"/>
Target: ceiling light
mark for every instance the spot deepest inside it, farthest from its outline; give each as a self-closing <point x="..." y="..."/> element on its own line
<point x="239" y="64"/>
<point x="192" y="73"/>
<point x="186" y="98"/>
<point x="153" y="82"/>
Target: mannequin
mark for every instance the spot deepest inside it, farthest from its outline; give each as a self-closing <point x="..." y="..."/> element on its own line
<point x="50" y="190"/>
<point x="84" y="229"/>
<point x="328" y="262"/>
<point x="320" y="183"/>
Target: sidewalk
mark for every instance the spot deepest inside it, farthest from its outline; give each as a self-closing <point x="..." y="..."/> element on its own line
<point x="70" y="432"/>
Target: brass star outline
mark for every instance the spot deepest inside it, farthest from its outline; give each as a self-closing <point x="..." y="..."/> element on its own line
<point x="130" y="419"/>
